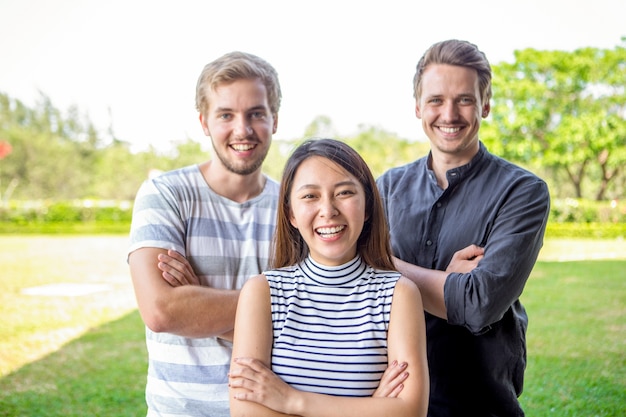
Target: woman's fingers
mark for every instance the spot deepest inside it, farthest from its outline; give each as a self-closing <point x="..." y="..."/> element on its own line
<point x="391" y="383"/>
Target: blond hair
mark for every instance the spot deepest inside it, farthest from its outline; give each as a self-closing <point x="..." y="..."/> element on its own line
<point x="235" y="66"/>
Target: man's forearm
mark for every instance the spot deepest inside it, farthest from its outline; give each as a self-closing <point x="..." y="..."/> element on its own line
<point x="191" y="311"/>
<point x="430" y="282"/>
<point x="195" y="311"/>
<point x="186" y="310"/>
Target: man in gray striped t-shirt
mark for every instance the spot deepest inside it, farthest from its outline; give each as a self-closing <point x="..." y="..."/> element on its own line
<point x="220" y="215"/>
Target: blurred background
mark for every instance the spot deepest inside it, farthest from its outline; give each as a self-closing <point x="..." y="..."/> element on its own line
<point x="97" y="96"/>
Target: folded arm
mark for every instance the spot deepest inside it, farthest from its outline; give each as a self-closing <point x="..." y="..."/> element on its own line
<point x="187" y="310"/>
<point x="480" y="298"/>
<point x="256" y="390"/>
<point x="431" y="282"/>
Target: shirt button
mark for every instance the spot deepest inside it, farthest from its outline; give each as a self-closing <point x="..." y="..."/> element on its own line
<point x="438" y="205"/>
<point x="429" y="242"/>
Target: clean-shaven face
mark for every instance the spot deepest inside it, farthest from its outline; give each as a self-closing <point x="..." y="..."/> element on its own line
<point x="451" y="109"/>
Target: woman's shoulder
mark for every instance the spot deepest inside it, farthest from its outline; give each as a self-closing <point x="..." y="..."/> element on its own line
<point x="280" y="273"/>
<point x="255" y="284"/>
<point x="407" y="299"/>
<point x="407" y="286"/>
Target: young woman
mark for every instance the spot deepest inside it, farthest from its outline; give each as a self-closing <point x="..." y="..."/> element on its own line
<point x="314" y="335"/>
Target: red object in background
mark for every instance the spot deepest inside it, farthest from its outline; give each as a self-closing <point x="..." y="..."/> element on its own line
<point x="5" y="148"/>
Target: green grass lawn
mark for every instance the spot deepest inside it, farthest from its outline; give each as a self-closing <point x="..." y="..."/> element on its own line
<point x="84" y="355"/>
<point x="101" y="373"/>
<point x="576" y="339"/>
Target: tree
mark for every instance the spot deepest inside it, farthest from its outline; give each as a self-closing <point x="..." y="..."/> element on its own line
<point x="54" y="153"/>
<point x="382" y="149"/>
<point x="565" y="111"/>
<point x="5" y="150"/>
<point x="320" y="127"/>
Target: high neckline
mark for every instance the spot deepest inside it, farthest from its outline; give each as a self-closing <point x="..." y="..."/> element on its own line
<point x="333" y="275"/>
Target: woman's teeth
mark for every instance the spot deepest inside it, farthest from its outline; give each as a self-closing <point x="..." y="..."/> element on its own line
<point x="329" y="231"/>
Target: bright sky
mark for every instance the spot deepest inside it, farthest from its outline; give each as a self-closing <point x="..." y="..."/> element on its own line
<point x="135" y="62"/>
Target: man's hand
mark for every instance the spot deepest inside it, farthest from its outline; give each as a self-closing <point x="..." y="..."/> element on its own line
<point x="176" y="269"/>
<point x="466" y="259"/>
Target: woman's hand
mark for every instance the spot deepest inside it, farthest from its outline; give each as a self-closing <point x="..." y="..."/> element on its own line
<point x="176" y="269"/>
<point x="260" y="385"/>
<point x="391" y="384"/>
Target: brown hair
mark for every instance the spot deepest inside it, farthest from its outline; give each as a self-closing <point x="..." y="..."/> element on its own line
<point x="455" y="52"/>
<point x="235" y="66"/>
<point x="372" y="245"/>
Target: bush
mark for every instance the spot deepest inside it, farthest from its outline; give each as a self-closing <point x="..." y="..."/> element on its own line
<point x="572" y="210"/>
<point x="586" y="230"/>
<point x="569" y="218"/>
<point x="80" y="216"/>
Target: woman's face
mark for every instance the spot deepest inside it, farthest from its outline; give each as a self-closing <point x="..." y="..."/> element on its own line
<point x="328" y="209"/>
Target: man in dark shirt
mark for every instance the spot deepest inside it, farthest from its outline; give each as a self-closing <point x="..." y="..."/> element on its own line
<point x="467" y="227"/>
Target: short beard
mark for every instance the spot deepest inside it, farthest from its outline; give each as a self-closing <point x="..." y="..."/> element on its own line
<point x="244" y="170"/>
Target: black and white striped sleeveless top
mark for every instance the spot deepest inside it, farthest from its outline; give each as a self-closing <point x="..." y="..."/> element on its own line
<point x="330" y="326"/>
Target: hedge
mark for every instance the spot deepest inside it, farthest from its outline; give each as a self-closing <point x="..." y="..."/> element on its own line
<point x="80" y="216"/>
<point x="569" y="218"/>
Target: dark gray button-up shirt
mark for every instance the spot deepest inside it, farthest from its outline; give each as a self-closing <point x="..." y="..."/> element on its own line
<point x="478" y="356"/>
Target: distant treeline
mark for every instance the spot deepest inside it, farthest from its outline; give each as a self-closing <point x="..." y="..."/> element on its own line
<point x="560" y="114"/>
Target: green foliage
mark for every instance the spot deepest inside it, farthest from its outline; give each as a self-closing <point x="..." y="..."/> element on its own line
<point x="568" y="217"/>
<point x="277" y="157"/>
<point x="61" y="155"/>
<point x="64" y="228"/>
<point x="78" y="216"/>
<point x="383" y="150"/>
<point x="560" y="114"/>
<point x="579" y="218"/>
<point x="586" y="230"/>
<point x="572" y="210"/>
<point x="564" y="111"/>
<point x="380" y="148"/>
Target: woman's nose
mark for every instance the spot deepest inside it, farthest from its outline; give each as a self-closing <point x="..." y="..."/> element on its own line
<point x="328" y="209"/>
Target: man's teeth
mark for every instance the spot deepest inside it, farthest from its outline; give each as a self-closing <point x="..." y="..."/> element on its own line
<point x="449" y="129"/>
<point x="243" y="147"/>
<point x="330" y="230"/>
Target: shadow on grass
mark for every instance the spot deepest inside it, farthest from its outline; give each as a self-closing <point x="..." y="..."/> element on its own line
<point x="102" y="373"/>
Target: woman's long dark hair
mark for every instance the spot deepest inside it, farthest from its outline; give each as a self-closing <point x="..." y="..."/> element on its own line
<point x="289" y="248"/>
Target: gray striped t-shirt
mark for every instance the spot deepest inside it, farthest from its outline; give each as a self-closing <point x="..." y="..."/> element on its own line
<point x="226" y="243"/>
